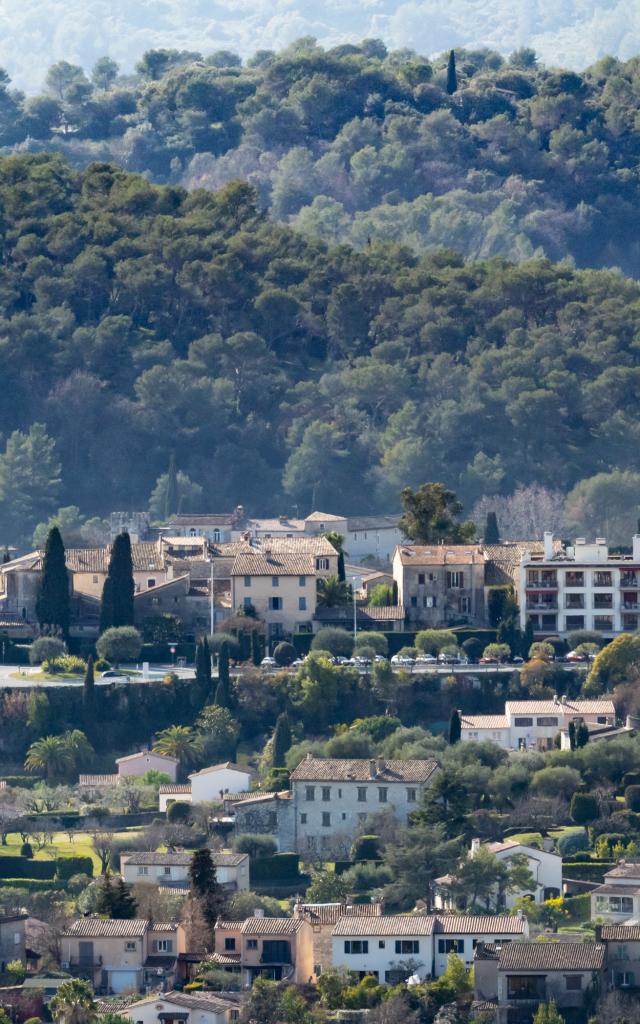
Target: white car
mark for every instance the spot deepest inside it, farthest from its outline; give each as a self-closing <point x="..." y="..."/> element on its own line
<point x="114" y="673"/>
<point x="426" y="659"/>
<point x="402" y="659"/>
<point x="269" y="662"/>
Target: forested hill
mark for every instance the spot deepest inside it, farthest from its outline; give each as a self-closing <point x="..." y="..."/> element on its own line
<point x="355" y="143"/>
<point x="138" y="321"/>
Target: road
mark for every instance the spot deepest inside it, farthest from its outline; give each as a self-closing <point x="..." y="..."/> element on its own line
<point x="8" y="672"/>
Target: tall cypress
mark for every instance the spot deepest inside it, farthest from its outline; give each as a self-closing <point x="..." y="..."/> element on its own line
<point x="117" y="594"/>
<point x="203" y="666"/>
<point x="256" y="653"/>
<point x="491" y="531"/>
<point x="455" y="727"/>
<point x="341" y="572"/>
<point x="223" y="665"/>
<point x="171" y="496"/>
<point x="452" y="74"/>
<point x="52" y="605"/>
<point x="281" y="740"/>
<point x="88" y="693"/>
<point x="205" y="888"/>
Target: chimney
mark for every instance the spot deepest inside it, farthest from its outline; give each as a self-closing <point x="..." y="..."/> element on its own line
<point x="308" y="755"/>
<point x="475" y="846"/>
<point x="548" y="545"/>
<point x="298" y="912"/>
<point x="636" y="547"/>
<point x="380" y="764"/>
<point x="373" y="771"/>
<point x="258" y="912"/>
<point x="598" y="931"/>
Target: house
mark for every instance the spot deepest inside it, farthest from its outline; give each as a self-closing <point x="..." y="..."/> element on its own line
<point x="184" y="1008"/>
<point x="270" y="814"/>
<point x="217" y="529"/>
<point x="118" y="956"/>
<point x="145" y="761"/>
<point x="583" y="586"/>
<point x="169" y="793"/>
<point x="618" y="898"/>
<point x="13" y="938"/>
<point x="516" y="977"/>
<point x="622" y="943"/>
<point x="212" y="783"/>
<point x="323" y="918"/>
<point x="388" y="618"/>
<point x="440" y="585"/>
<point x="545" y="867"/>
<point x="277" y="948"/>
<point x="391" y="946"/>
<point x="534" y="724"/>
<point x="372" y="539"/>
<point x="172" y="869"/>
<point x="332" y="797"/>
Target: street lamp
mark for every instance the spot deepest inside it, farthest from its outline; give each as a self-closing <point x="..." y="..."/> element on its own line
<point x="212" y="618"/>
<point x="355" y="608"/>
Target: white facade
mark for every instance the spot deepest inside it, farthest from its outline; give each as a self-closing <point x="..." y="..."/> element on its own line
<point x="618" y="899"/>
<point x="584" y="587"/>
<point x="545" y="867"/>
<point x="172" y="869"/>
<point x="534" y="724"/>
<point x="201" y="1008"/>
<point x="374" y="537"/>
<point x="146" y="760"/>
<point x="212" y="783"/>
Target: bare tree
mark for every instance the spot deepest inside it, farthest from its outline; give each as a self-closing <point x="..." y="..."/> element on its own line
<point x="102" y="841"/>
<point x="155" y="903"/>
<point x="395" y="1010"/>
<point x="618" y="1008"/>
<point x="198" y="933"/>
<point x="525" y="514"/>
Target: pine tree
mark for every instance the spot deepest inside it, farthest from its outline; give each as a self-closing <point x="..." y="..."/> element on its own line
<point x="452" y="75"/>
<point x="105" y="896"/>
<point x="171" y="495"/>
<point x="281" y="740"/>
<point x="117" y="594"/>
<point x="205" y="887"/>
<point x="52" y="605"/>
<point x="455" y="727"/>
<point x="491" y="531"/>
<point x="124" y="905"/>
<point x="256" y="652"/>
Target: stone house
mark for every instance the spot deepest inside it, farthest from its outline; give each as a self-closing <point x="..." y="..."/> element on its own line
<point x="13" y="938"/>
<point x="118" y="956"/>
<point x="622" y="943"/>
<point x="270" y="814"/>
<point x="440" y="585"/>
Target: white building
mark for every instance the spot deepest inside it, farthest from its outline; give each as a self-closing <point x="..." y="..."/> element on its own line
<point x="372" y="538"/>
<point x="385" y="946"/>
<point x="534" y="724"/>
<point x="212" y="783"/>
<point x="184" y="1008"/>
<point x="172" y="869"/>
<point x="217" y="529"/>
<point x="545" y="867"/>
<point x="582" y="587"/>
<point x="145" y="761"/>
<point x="333" y="797"/>
<point x="618" y="899"/>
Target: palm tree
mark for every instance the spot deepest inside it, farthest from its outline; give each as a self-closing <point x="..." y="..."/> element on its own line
<point x="333" y="592"/>
<point x="52" y="755"/>
<point x="178" y="741"/>
<point x="74" y="1003"/>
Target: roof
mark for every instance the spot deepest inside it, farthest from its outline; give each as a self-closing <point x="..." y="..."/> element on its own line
<point x="386" y="613"/>
<point x="324" y="517"/>
<point x="305" y="545"/>
<point x="625" y="869"/>
<point x="146" y="753"/>
<point x="621" y="933"/>
<point x="182" y="859"/>
<point x="226" y="959"/>
<point x="388" y="924"/>
<point x="440" y="554"/>
<point x="165" y="962"/>
<point x="258" y="563"/>
<point x="616" y="890"/>
<point x="99" y="928"/>
<point x="271" y="926"/>
<point x="551" y="956"/>
<point x="225" y="766"/>
<point x="484" y="722"/>
<point x="214" y="1002"/>
<point x="99" y="780"/>
<point x="550" y="707"/>
<point x="175" y="787"/>
<point x="254" y="798"/>
<point x="330" y="913"/>
<point x="112" y="1004"/>
<point x="503" y="560"/>
<point x="479" y="924"/>
<point x="328" y="769"/>
<point x="486" y="951"/>
<point x="223" y="519"/>
<point x="355" y="523"/>
<point x="275" y="524"/>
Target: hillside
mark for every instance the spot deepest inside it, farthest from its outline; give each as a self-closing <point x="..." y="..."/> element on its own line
<point x="138" y="321"/>
<point x="354" y="144"/>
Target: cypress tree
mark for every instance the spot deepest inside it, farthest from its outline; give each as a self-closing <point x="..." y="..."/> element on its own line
<point x="281" y="740"/>
<point x="395" y="593"/>
<point x="455" y="727"/>
<point x="527" y="639"/>
<point x="88" y="693"/>
<point x="205" y="887"/>
<point x="256" y="653"/>
<point x="203" y="666"/>
<point x="221" y="698"/>
<point x="452" y="75"/>
<point x="341" y="573"/>
<point x="223" y="668"/>
<point x="491" y="531"/>
<point x="171" y="496"/>
<point x="582" y="735"/>
<point x="124" y="905"/>
<point x="117" y="594"/>
<point x="572" y="735"/>
<point x="52" y="605"/>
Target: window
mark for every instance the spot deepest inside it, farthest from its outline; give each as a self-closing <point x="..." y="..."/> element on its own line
<point x="167" y="871"/>
<point x="326" y="793"/>
<point x="381" y="944"/>
<point x="322" y="563"/>
<point x="216" y="536"/>
<point x="574" y="601"/>
<point x="163" y="946"/>
<point x="451" y="946"/>
<point x="247" y="581"/>
<point x="326" y="819"/>
<point x="130" y="947"/>
<point x="602" y="622"/>
<point x="155" y="600"/>
<point x="302" y="604"/>
<point x="302" y="581"/>
<point x="362" y="794"/>
<point x="247" y="602"/>
<point x="275" y="581"/>
<point x="414" y="602"/>
<point x="303" y="819"/>
<point x="574" y="579"/>
<point x="143" y="871"/>
<point x="614" y="904"/>
<point x="464" y="605"/>
<point x="229" y="944"/>
<point x="523" y="723"/>
<point x="603" y="600"/>
<point x="625" y="979"/>
<point x="407" y="947"/>
<point x="602" y="579"/>
<point x="382" y="795"/>
<point x="234" y="1015"/>
<point x="420" y="578"/>
<point x="411" y="796"/>
<point x="356" y="947"/>
<point x="547" y="720"/>
<point x="95" y="579"/>
<point x="275" y="604"/>
<point x="526" y="986"/>
<point x="252" y="943"/>
<point x="310" y="793"/>
<point x="455" y="580"/>
<point x="575" y="621"/>
<point x="151" y="582"/>
<point x="573" y="982"/>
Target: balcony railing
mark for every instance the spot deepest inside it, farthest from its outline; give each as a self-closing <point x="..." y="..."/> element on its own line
<point x="631" y="606"/>
<point x="629" y="580"/>
<point x="542" y="584"/>
<point x="542" y="606"/>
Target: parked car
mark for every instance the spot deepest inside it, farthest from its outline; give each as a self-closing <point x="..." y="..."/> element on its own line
<point x="575" y="656"/>
<point x="517" y="660"/>
<point x="379" y="658"/>
<point x="269" y="662"/>
<point x="402" y="659"/>
<point x="449" y="659"/>
<point x="297" y="663"/>
<point x="426" y="659"/>
<point x="341" y="660"/>
<point x="114" y="673"/>
<point x="488" y="661"/>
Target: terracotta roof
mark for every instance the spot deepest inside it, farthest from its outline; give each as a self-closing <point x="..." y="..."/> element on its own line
<point x="99" y="928"/>
<point x="226" y="959"/>
<point x="258" y="563"/>
<point x="389" y="924"/>
<point x="254" y="798"/>
<point x="484" y="722"/>
<point x="305" y="545"/>
<point x="330" y="913"/>
<point x="163" y="926"/>
<point x="113" y="1004"/>
<point x="486" y="951"/>
<point x="264" y="525"/>
<point x="440" y="554"/>
<point x="480" y="924"/>
<point x="174" y="787"/>
<point x="616" y="890"/>
<point x="551" y="956"/>
<point x="182" y="859"/>
<point x="208" y="1001"/>
<point x="99" y="780"/>
<point x="145" y="753"/>
<point x="621" y="933"/>
<point x="503" y="560"/>
<point x="221" y="767"/>
<point x="550" y="707"/>
<point x="270" y="926"/>
<point x="355" y="523"/>
<point x="625" y="869"/>
<point x="359" y="770"/>
<point x="386" y="613"/>
<point x="223" y="519"/>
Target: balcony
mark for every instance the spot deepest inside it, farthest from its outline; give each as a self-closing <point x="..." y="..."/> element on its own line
<point x="629" y="579"/>
<point x="542" y="606"/>
<point x="550" y="584"/>
<point x="630" y="606"/>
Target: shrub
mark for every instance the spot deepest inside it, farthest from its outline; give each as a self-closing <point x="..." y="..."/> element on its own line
<point x="572" y="842"/>
<point x="255" y="844"/>
<point x="218" y="639"/>
<point x="472" y="648"/>
<point x="178" y="811"/>
<point x="630" y="779"/>
<point x="101" y="665"/>
<point x="284" y="654"/>
<point x="337" y="641"/>
<point x="632" y="798"/>
<point x="431" y="641"/>
<point x="25" y="867"/>
<point x="369" y="638"/>
<point x="409" y="652"/>
<point x="585" y="636"/>
<point x="46" y="648"/>
<point x="583" y="808"/>
<point x="378" y="727"/>
<point x="26" y="850"/>
<point x="555" y="782"/>
<point x="67" y="867"/>
<point x="120" y="643"/>
<point x="67" y="664"/>
<point x="282" y="866"/>
<point x="365" y="848"/>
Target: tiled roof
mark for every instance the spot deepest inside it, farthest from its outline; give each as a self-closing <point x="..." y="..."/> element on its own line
<point x="258" y="564"/>
<point x="625" y="869"/>
<point x="99" y="928"/>
<point x="440" y="554"/>
<point x="212" y="1001"/>
<point x="145" y="753"/>
<point x="486" y="951"/>
<point x="504" y="559"/>
<point x="113" y="1004"/>
<point x="550" y="707"/>
<point x="509" y="844"/>
<point x="480" y="924"/>
<point x="616" y="890"/>
<point x="330" y="913"/>
<point x="155" y="960"/>
<point x="99" y="780"/>
<point x="270" y="926"/>
<point x="484" y="722"/>
<point x="254" y="798"/>
<point x="221" y="767"/>
<point x="389" y="924"/>
<point x="355" y="523"/>
<point x="163" y="926"/>
<point x="331" y="769"/>
<point x="386" y="613"/>
<point x="146" y="857"/>
<point x="223" y="519"/>
<point x="323" y="517"/>
<point x="621" y="933"/>
<point x="225" y="959"/>
<point x="551" y="956"/>
<point x="275" y="525"/>
<point x="174" y="787"/>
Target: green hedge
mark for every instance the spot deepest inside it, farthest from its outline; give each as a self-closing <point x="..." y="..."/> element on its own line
<point x="30" y="884"/>
<point x="22" y="781"/>
<point x="579" y="908"/>
<point x="587" y="872"/>
<point x="66" y="867"/>
<point x="26" y="867"/>
<point x="282" y="866"/>
<point x="485" y="636"/>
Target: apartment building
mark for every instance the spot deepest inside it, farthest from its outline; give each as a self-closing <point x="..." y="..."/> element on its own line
<point x="172" y="868"/>
<point x="545" y="868"/>
<point x="440" y="585"/>
<point x="119" y="956"/>
<point x="323" y="917"/>
<point x="332" y="798"/>
<point x="581" y="587"/>
<point x="277" y="948"/>
<point x="534" y="724"/>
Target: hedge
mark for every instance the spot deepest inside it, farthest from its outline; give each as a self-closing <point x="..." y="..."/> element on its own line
<point x="30" y="884"/>
<point x="67" y="867"/>
<point x="579" y="908"/>
<point x="22" y="781"/>
<point x="281" y="867"/>
<point x="26" y="867"/>
<point x="587" y="872"/>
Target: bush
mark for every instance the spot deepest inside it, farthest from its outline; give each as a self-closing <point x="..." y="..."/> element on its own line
<point x="284" y="654"/>
<point x="26" y="867"/>
<point x="431" y="641"/>
<point x="67" y="867"/>
<point x="630" y="779"/>
<point x="572" y="842"/>
<point x="178" y="811"/>
<point x="32" y="884"/>
<point x="218" y="639"/>
<point x="255" y="844"/>
<point x="67" y="664"/>
<point x="409" y="652"/>
<point x="365" y="848"/>
<point x="280" y="867"/>
<point x="369" y="638"/>
<point x="632" y="798"/>
<point x="584" y="808"/>
<point x="120" y="643"/>
<point x="101" y="665"/>
<point x="472" y="648"/>
<point x="46" y="648"/>
<point x="26" y="850"/>
<point x="378" y="727"/>
<point x="585" y="636"/>
<point x="337" y="641"/>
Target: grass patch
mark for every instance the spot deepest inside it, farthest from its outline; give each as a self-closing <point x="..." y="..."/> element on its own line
<point x="527" y="838"/>
<point x="62" y="847"/>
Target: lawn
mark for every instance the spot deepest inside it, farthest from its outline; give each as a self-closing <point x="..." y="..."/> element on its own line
<point x="62" y="847"/>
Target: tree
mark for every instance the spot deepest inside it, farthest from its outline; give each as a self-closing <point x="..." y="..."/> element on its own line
<point x="284" y="653"/>
<point x="218" y="732"/>
<point x="104" y="73"/>
<point x="203" y="666"/>
<point x="29" y="481"/>
<point x="179" y="741"/>
<point x="74" y="1003"/>
<point x="333" y="592"/>
<point x="542" y="651"/>
<point x="327" y="887"/>
<point x="431" y="516"/>
<point x="171" y="501"/>
<point x="582" y="735"/>
<point x="334" y="640"/>
<point x="223" y="691"/>
<point x="88" y="691"/>
<point x="497" y="652"/>
<point x="255" y="846"/>
<point x="52" y="605"/>
<point x="256" y="650"/>
<point x="281" y="741"/>
<point x="614" y="664"/>
<point x="337" y="540"/>
<point x="119" y="587"/>
<point x="452" y="75"/>
<point x="372" y="639"/>
<point x="119" y="643"/>
<point x="124" y="904"/>
<point x="583" y="808"/>
<point x="500" y="604"/>
<point x="548" y="1014"/>
<point x="51" y="755"/>
<point x="455" y="727"/>
<point x="205" y="887"/>
<point x="491" y="531"/>
<point x="382" y="596"/>
<point x="46" y="648"/>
